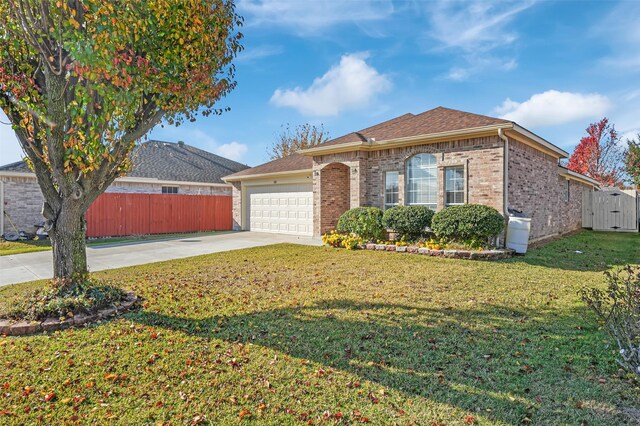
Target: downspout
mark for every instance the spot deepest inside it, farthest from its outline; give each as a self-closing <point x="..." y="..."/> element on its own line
<point x="505" y="176"/>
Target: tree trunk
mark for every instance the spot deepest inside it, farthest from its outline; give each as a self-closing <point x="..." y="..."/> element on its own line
<point x="68" y="232"/>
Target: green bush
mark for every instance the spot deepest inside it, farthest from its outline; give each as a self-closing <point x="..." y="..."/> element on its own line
<point x="470" y="224"/>
<point x="409" y="222"/>
<point x="365" y="222"/>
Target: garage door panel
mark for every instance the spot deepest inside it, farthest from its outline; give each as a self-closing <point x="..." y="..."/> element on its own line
<point x="286" y="209"/>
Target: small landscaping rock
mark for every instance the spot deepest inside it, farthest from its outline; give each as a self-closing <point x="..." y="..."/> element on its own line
<point x="391" y="247"/>
<point x="464" y="254"/>
<point x="381" y="246"/>
<point x="105" y="313"/>
<point x="25" y="327"/>
<point x="412" y="249"/>
<point x="436" y="252"/>
<point x="5" y="327"/>
<point x="423" y="250"/>
<point x="51" y="324"/>
<point x="401" y="249"/>
<point x="81" y="319"/>
<point x="370" y="246"/>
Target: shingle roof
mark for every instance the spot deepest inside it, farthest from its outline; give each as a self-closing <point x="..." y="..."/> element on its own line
<point x="169" y="161"/>
<point x="436" y="120"/>
<point x="290" y="163"/>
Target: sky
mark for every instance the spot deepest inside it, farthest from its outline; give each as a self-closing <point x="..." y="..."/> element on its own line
<point x="554" y="67"/>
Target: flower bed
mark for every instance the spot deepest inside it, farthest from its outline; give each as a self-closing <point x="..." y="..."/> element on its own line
<point x="449" y="253"/>
<point x="22" y="328"/>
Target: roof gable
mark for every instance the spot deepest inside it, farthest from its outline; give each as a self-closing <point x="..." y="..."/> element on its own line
<point x="435" y="120"/>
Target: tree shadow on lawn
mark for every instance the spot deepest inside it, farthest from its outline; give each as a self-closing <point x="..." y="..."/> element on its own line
<point x="514" y="366"/>
<point x="585" y="251"/>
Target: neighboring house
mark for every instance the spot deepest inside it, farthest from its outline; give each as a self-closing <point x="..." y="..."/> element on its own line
<point x="438" y="158"/>
<point x="159" y="167"/>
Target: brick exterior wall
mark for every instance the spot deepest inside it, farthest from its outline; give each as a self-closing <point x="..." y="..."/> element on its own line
<point x="482" y="158"/>
<point x="335" y="195"/>
<point x="22" y="203"/>
<point x="154" y="188"/>
<point x="536" y="189"/>
<point x="23" y="199"/>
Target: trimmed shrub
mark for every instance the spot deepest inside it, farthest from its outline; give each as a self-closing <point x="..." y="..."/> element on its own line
<point x="471" y="224"/>
<point x="618" y="308"/>
<point x="365" y="222"/>
<point x="409" y="222"/>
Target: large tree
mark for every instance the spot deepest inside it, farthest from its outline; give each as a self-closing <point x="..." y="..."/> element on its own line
<point x="632" y="160"/>
<point x="291" y="140"/>
<point x="82" y="80"/>
<point x="598" y="155"/>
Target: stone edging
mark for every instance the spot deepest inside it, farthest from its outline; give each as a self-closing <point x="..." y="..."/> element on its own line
<point x="452" y="254"/>
<point x="24" y="328"/>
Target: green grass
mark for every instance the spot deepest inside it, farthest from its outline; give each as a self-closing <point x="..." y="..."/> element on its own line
<point x="291" y="334"/>
<point x="19" y="247"/>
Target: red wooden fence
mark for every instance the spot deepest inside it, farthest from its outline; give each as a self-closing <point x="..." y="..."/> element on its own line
<point x="135" y="214"/>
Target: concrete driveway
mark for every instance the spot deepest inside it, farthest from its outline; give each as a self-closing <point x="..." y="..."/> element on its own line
<point x="34" y="266"/>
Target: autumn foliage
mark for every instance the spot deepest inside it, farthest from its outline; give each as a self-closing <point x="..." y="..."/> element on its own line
<point x="82" y="80"/>
<point x="632" y="160"/>
<point x="598" y="154"/>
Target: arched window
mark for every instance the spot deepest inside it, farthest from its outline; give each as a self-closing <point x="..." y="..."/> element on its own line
<point x="422" y="181"/>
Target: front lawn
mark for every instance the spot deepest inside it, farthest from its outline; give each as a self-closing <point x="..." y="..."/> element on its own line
<point x="295" y="335"/>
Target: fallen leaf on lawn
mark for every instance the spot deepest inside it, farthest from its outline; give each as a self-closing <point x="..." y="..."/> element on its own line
<point x="244" y="413"/>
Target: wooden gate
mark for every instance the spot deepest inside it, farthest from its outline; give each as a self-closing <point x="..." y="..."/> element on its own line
<point x="114" y="214"/>
<point x="611" y="210"/>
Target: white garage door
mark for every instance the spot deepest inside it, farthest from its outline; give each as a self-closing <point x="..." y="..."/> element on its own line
<point x="282" y="209"/>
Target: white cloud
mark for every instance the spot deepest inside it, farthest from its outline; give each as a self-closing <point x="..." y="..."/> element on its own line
<point x="259" y="52"/>
<point x="349" y="85"/>
<point x="477" y="64"/>
<point x="474" y="26"/>
<point x="474" y="30"/>
<point x="308" y="17"/>
<point x="458" y="74"/>
<point x="10" y="150"/>
<point x="233" y="150"/>
<point x="620" y="30"/>
<point x="553" y="107"/>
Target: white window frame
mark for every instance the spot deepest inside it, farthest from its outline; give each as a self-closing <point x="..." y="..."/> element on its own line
<point x="386" y="204"/>
<point x="169" y="189"/>
<point x="431" y="165"/>
<point x="446" y="183"/>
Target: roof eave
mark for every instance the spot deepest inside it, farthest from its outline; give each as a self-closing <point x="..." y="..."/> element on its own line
<point x="232" y="178"/>
<point x="11" y="173"/>
<point x="545" y="143"/>
<point x="128" y="179"/>
<point x="409" y="140"/>
<point x="542" y="144"/>
<point x="570" y="174"/>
